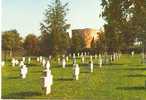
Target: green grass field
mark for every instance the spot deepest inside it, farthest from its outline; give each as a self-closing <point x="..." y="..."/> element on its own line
<point x="122" y="80"/>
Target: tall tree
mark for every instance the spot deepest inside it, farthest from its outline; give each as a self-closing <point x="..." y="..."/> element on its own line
<point x="120" y="30"/>
<point x="113" y="16"/>
<point x="11" y="41"/>
<point x="55" y="27"/>
<point x="31" y="45"/>
<point x="139" y="19"/>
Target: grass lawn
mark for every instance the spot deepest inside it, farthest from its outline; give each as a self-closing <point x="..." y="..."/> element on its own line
<point x="122" y="80"/>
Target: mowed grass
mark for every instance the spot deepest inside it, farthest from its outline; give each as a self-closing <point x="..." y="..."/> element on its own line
<point x="121" y="80"/>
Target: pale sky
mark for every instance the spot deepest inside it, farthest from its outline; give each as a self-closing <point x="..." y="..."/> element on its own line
<point x="25" y="15"/>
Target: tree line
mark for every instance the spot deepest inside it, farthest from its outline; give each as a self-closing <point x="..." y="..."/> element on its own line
<point x="125" y="22"/>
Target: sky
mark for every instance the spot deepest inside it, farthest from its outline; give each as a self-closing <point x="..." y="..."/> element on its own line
<point x="26" y="15"/>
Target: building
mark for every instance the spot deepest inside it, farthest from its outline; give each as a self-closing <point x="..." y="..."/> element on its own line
<point x="88" y="35"/>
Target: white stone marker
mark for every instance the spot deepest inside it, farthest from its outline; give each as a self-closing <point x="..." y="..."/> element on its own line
<point x="78" y="54"/>
<point x="100" y="62"/>
<point x="76" y="71"/>
<point x="85" y="53"/>
<point x="50" y="57"/>
<point x="24" y="71"/>
<point x="21" y="64"/>
<point x="16" y="62"/>
<point x="63" y="63"/>
<point x="91" y="66"/>
<point x="114" y="57"/>
<point x="29" y="60"/>
<point x="83" y="59"/>
<point x="132" y="53"/>
<point x="67" y="58"/>
<point x="48" y="82"/>
<point x="23" y="59"/>
<point x="74" y="56"/>
<point x="38" y="59"/>
<point x="41" y="58"/>
<point x="13" y="62"/>
<point x="44" y="62"/>
<point x="2" y="63"/>
<point x="48" y="65"/>
<point x="91" y="58"/>
<point x="59" y="61"/>
<point x="95" y="56"/>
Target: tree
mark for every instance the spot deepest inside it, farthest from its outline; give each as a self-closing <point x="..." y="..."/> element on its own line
<point x="55" y="27"/>
<point x="31" y="45"/>
<point x="119" y="30"/>
<point x="77" y="42"/>
<point x="11" y="41"/>
<point x="139" y="19"/>
<point x="99" y="45"/>
<point x="113" y="16"/>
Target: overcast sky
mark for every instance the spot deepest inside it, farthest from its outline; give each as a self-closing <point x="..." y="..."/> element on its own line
<point x="25" y="15"/>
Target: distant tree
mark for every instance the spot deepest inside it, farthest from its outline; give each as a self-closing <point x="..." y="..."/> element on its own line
<point x="100" y="45"/>
<point x="31" y="45"/>
<point x="54" y="27"/>
<point x="11" y="41"/>
<point x="77" y="43"/>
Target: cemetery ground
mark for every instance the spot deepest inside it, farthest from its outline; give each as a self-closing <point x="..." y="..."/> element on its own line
<point x="121" y="80"/>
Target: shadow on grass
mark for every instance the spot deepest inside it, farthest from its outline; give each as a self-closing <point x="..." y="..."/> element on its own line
<point x="16" y="77"/>
<point x="33" y="65"/>
<point x="132" y="69"/>
<point x="132" y="88"/>
<point x="21" y="95"/>
<point x="63" y="79"/>
<point x="85" y="72"/>
<point x="136" y="75"/>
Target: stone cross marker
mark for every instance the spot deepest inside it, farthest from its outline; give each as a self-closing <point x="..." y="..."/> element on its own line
<point x="48" y="65"/>
<point x="24" y="71"/>
<point x="83" y="59"/>
<point x="59" y="62"/>
<point x="13" y="62"/>
<point x="100" y="61"/>
<point x="76" y="71"/>
<point x="21" y="64"/>
<point x="47" y="81"/>
<point x="41" y="58"/>
<point x="38" y="59"/>
<point x="132" y="53"/>
<point x="63" y="63"/>
<point x="29" y="60"/>
<point x="23" y="59"/>
<point x="91" y="66"/>
<point x="44" y="62"/>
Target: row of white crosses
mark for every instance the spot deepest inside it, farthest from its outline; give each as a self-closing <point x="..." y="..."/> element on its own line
<point x="24" y="69"/>
<point x="48" y="77"/>
<point x="115" y="56"/>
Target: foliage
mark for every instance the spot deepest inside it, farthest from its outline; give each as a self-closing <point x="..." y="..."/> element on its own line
<point x="55" y="28"/>
<point x="31" y="45"/>
<point x="11" y="41"/>
<point x="77" y="42"/>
